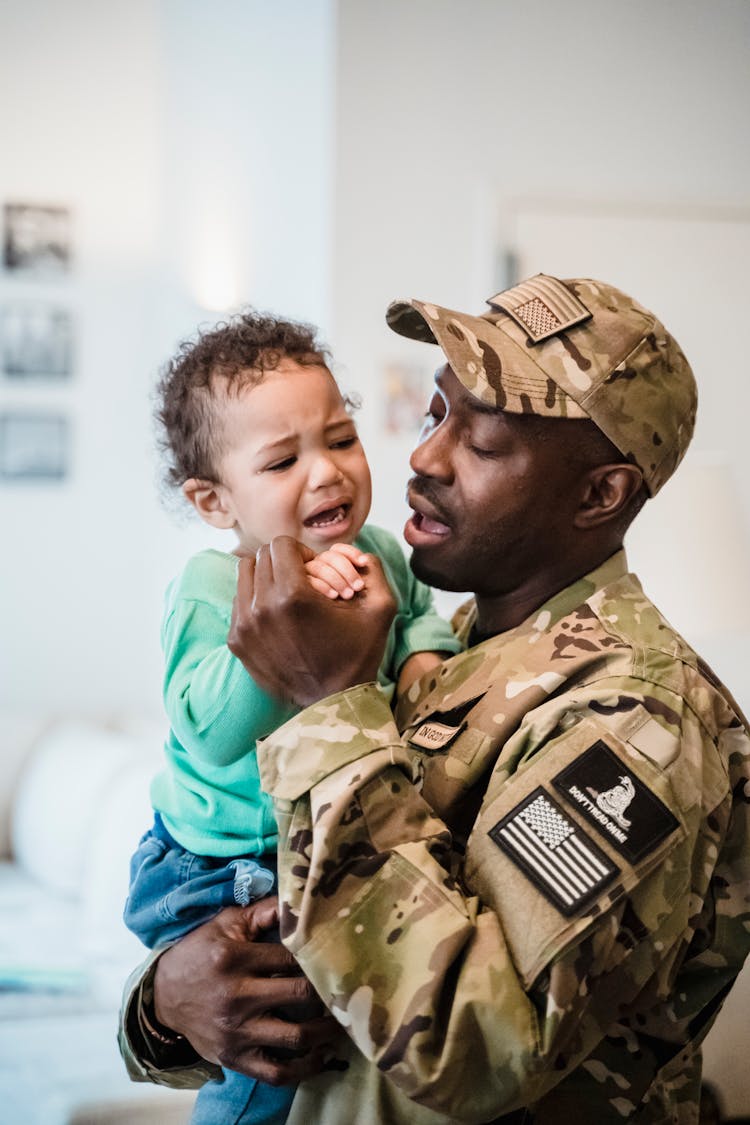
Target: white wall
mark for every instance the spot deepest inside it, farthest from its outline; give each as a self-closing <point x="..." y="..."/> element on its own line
<point x="79" y="126"/>
<point x="194" y="144"/>
<point x="448" y="112"/>
<point x="320" y="159"/>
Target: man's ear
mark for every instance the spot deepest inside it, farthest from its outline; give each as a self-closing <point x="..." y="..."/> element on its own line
<point x="608" y="489"/>
<point x="210" y="502"/>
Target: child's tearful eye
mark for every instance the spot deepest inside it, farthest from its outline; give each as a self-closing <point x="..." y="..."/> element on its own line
<point x="279" y="466"/>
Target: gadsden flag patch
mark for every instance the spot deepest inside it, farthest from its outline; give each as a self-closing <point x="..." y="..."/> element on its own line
<point x="554" y="852"/>
<point x="619" y="805"/>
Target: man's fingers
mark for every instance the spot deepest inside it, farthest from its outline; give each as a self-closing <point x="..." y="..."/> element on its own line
<point x="274" y="1044"/>
<point x="264" y="573"/>
<point x="288" y="558"/>
<point x="245" y="581"/>
<point x="253" y="997"/>
<point x="260" y="916"/>
<point x="276" y="1071"/>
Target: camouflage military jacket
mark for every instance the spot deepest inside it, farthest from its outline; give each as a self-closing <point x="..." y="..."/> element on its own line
<point x="532" y="889"/>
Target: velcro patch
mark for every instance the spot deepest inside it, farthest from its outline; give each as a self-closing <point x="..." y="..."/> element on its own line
<point x="542" y="306"/>
<point x="554" y="852"/>
<point x="618" y="804"/>
<point x="435" y="736"/>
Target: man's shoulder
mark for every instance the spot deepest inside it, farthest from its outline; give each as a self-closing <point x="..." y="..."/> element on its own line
<point x="636" y="642"/>
<point x="631" y="623"/>
<point x="612" y="642"/>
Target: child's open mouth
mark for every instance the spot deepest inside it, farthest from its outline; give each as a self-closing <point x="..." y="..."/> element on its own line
<point x="329" y="517"/>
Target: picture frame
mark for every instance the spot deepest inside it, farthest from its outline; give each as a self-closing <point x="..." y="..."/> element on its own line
<point x="37" y="239"/>
<point x="34" y="446"/>
<point x="36" y="341"/>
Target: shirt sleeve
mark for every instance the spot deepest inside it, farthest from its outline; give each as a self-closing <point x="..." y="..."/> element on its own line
<point x="466" y="986"/>
<point x="215" y="708"/>
<point x="147" y="1060"/>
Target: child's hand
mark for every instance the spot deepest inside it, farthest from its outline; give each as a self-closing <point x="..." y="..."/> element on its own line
<point x="334" y="572"/>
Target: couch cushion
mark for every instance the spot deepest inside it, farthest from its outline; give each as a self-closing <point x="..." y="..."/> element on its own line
<point x="69" y="775"/>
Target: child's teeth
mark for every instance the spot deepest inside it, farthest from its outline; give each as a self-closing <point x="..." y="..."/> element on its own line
<point x="324" y="520"/>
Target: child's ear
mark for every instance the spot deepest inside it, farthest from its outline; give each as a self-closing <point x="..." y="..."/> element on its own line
<point x="210" y="502"/>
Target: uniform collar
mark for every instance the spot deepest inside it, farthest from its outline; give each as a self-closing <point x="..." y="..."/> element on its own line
<point x="555" y="608"/>
<point x="468" y="675"/>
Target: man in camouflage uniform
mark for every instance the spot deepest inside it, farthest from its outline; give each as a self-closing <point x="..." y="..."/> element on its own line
<point x="526" y="895"/>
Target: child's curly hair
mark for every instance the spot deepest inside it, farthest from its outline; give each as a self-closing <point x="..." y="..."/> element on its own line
<point x="232" y="355"/>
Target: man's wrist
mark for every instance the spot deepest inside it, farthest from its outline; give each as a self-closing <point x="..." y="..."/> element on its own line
<point x="156" y="1030"/>
<point x="166" y="1046"/>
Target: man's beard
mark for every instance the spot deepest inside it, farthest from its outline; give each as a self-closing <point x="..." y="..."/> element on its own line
<point x="433" y="575"/>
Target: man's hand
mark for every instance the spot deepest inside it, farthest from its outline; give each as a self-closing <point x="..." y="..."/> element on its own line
<point x="298" y="644"/>
<point x="220" y="987"/>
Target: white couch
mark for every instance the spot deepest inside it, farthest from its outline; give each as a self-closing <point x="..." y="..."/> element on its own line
<point x="73" y="803"/>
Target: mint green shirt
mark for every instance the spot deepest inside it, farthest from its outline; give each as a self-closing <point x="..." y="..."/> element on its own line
<point x="209" y="795"/>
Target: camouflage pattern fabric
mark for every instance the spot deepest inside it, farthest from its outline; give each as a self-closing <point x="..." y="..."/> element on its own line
<point x="471" y="992"/>
<point x="571" y="349"/>
<point x="467" y="986"/>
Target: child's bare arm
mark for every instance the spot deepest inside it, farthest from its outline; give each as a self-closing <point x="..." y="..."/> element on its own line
<point x="334" y="572"/>
<point x="417" y="665"/>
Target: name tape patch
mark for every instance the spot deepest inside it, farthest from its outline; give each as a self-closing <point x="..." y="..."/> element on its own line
<point x="435" y="736"/>
<point x="554" y="853"/>
<point x="618" y="804"/>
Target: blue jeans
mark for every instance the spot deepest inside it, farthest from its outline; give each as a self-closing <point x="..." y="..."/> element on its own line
<point x="171" y="892"/>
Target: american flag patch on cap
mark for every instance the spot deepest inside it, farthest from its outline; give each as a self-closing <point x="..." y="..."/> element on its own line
<point x="554" y="852"/>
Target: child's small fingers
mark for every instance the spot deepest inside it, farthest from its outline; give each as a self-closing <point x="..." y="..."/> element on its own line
<point x="349" y="551"/>
<point x="328" y="563"/>
<point x="332" y="575"/>
<point x="322" y="587"/>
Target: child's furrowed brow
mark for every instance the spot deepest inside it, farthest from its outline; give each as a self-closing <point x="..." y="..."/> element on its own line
<point x="277" y="443"/>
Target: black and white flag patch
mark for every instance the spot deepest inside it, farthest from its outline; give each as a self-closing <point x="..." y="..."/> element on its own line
<point x="632" y="818"/>
<point x="554" y="852"/>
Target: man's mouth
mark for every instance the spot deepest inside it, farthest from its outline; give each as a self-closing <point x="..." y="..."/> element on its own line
<point x="329" y="517"/>
<point x="428" y="525"/>
<point x="428" y="515"/>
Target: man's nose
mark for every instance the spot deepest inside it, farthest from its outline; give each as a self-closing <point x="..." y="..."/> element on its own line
<point x="432" y="457"/>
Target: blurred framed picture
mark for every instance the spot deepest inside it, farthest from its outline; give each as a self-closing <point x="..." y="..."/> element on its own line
<point x="406" y="393"/>
<point x="34" y="446"/>
<point x="37" y="240"/>
<point x="35" y="341"/>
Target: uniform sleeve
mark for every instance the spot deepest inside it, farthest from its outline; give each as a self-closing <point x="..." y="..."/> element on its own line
<point x="214" y="706"/>
<point x="470" y="989"/>
<point x="146" y="1060"/>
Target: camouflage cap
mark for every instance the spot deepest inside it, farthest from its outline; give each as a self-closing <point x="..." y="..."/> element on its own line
<point x="571" y="349"/>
